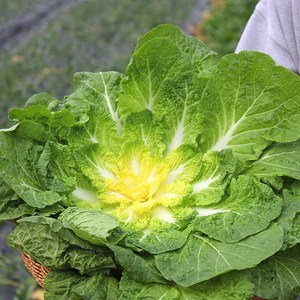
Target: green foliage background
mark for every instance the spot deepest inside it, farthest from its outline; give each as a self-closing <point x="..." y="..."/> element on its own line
<point x="225" y="23"/>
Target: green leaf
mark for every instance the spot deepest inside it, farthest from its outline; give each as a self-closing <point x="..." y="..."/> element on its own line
<point x="133" y="290"/>
<point x="89" y="262"/>
<point x="41" y="243"/>
<point x="291" y="207"/>
<point x="235" y="285"/>
<point x="96" y="91"/>
<point x="19" y="165"/>
<point x="249" y="209"/>
<point x="162" y="76"/>
<point x="6" y="193"/>
<point x="57" y="227"/>
<point x="12" y="210"/>
<point x="294" y="232"/>
<point x="278" y="160"/>
<point x="158" y="241"/>
<point x="214" y="174"/>
<point x="44" y="99"/>
<point x="278" y="277"/>
<point x="202" y="58"/>
<point x="202" y="258"/>
<point x="34" y="113"/>
<point x="139" y="268"/>
<point x="142" y="127"/>
<point x="92" y="226"/>
<point x="67" y="285"/>
<point x="248" y="103"/>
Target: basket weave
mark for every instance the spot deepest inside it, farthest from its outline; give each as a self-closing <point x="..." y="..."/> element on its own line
<point x="38" y="271"/>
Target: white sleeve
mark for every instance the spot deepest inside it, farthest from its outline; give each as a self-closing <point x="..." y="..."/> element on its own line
<point x="274" y="28"/>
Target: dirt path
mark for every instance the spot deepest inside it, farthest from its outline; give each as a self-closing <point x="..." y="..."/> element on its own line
<point x="19" y="30"/>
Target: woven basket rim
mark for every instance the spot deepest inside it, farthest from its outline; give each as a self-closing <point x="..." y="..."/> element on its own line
<point x="38" y="271"/>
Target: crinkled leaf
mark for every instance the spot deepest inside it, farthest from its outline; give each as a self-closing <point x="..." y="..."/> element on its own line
<point x="214" y="173"/>
<point x="291" y="206"/>
<point x="248" y="103"/>
<point x="235" y="286"/>
<point x="294" y="232"/>
<point x="139" y="268"/>
<point x="92" y="226"/>
<point x="41" y="243"/>
<point x="19" y="165"/>
<point x="94" y="102"/>
<point x="134" y="290"/>
<point x="281" y="159"/>
<point x="6" y="193"/>
<point x="278" y="277"/>
<point x="12" y="210"/>
<point x="57" y="227"/>
<point x="161" y="78"/>
<point x="144" y="128"/>
<point x="158" y="241"/>
<point x="88" y="261"/>
<point x="66" y="285"/>
<point x="202" y="258"/>
<point x="250" y="208"/>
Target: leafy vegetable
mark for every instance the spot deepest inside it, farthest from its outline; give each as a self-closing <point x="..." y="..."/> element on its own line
<point x="179" y="179"/>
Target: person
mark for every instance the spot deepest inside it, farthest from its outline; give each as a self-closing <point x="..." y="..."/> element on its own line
<point x="274" y="28"/>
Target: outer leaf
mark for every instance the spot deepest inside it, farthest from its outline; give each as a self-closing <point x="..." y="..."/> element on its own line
<point x="92" y="226"/>
<point x="134" y="290"/>
<point x="89" y="262"/>
<point x="41" y="243"/>
<point x="291" y="206"/>
<point x="139" y="268"/>
<point x="70" y="285"/>
<point x="160" y="55"/>
<point x="94" y="104"/>
<point x="294" y="232"/>
<point x="19" y="167"/>
<point x="248" y="103"/>
<point x="95" y="89"/>
<point x="214" y="173"/>
<point x="47" y="112"/>
<point x="156" y="242"/>
<point x="44" y="99"/>
<point x="278" y="278"/>
<point x="160" y="78"/>
<point x="202" y="258"/>
<point x="278" y="160"/>
<point x="6" y="193"/>
<point x="203" y="58"/>
<point x="12" y="210"/>
<point x="57" y="227"/>
<point x="235" y="285"/>
<point x="249" y="209"/>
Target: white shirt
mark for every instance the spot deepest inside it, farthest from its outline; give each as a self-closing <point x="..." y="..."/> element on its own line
<point x="274" y="28"/>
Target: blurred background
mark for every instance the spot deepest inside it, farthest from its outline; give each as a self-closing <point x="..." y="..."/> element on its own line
<point x="44" y="42"/>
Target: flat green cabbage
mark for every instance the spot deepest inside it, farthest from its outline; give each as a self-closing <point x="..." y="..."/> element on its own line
<point x="177" y="180"/>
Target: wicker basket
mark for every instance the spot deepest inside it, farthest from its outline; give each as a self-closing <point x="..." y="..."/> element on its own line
<point x="38" y="271"/>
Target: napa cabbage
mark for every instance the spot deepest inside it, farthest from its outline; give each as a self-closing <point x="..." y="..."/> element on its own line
<point x="176" y="180"/>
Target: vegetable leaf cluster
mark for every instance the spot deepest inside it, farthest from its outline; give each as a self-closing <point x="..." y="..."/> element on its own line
<point x="177" y="180"/>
